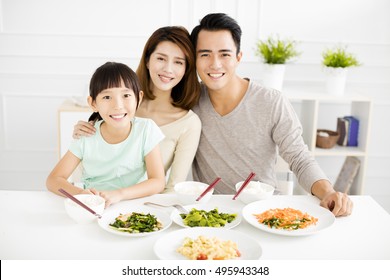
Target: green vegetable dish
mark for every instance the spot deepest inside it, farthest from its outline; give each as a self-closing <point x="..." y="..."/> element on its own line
<point x="136" y="223"/>
<point x="202" y="218"/>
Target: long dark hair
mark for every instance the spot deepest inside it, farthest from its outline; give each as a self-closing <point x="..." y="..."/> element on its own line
<point x="109" y="75"/>
<point x="186" y="93"/>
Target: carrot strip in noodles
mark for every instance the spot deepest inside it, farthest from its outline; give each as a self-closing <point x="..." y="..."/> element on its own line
<point x="286" y="218"/>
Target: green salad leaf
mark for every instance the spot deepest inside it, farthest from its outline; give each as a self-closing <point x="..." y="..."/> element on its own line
<point x="136" y="223"/>
<point x="203" y="218"/>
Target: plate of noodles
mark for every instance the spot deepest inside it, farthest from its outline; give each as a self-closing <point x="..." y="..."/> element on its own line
<point x="207" y="244"/>
<point x="287" y="216"/>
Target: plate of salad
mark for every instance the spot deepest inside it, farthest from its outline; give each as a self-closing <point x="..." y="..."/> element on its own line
<point x="134" y="220"/>
<point x="207" y="215"/>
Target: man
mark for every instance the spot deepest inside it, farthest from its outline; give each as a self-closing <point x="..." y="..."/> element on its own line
<point x="244" y="125"/>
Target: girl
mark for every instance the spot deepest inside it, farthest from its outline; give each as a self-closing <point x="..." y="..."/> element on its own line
<point x="124" y="147"/>
<point x="168" y="78"/>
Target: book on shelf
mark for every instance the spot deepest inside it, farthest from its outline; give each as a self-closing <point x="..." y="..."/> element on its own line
<point x="348" y="128"/>
<point x="342" y="129"/>
<point x="352" y="131"/>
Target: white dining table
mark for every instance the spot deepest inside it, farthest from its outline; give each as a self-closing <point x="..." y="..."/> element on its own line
<point x="35" y="226"/>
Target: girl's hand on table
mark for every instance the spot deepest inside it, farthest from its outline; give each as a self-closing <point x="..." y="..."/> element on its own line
<point x="87" y="191"/>
<point x="111" y="197"/>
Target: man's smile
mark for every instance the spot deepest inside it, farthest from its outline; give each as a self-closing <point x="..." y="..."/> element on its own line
<point x="216" y="76"/>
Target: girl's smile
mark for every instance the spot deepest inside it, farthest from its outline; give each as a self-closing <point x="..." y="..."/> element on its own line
<point x="118" y="117"/>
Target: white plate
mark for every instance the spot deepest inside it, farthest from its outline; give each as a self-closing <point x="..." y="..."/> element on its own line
<point x="114" y="211"/>
<point x="324" y="216"/>
<point x="175" y="216"/>
<point x="165" y="247"/>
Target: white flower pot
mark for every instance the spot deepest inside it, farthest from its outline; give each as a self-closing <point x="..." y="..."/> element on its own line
<point x="335" y="80"/>
<point x="273" y="75"/>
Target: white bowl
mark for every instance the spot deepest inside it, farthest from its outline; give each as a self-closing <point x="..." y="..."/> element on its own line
<point x="81" y="215"/>
<point x="187" y="192"/>
<point x="255" y="191"/>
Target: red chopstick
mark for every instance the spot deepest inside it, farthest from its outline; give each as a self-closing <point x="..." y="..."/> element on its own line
<point x="251" y="175"/>
<point x="78" y="202"/>
<point x="212" y="185"/>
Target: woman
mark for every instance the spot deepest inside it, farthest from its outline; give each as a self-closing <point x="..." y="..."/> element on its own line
<point x="171" y="88"/>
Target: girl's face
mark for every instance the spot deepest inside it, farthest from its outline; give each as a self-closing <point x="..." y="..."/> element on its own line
<point x="167" y="66"/>
<point x="116" y="106"/>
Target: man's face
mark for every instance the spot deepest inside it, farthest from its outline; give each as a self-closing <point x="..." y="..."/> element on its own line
<point x="216" y="58"/>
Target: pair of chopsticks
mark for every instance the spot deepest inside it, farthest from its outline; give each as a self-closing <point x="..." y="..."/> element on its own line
<point x="78" y="202"/>
<point x="251" y="175"/>
<point x="212" y="185"/>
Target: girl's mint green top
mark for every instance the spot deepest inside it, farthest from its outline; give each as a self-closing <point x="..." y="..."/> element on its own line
<point x="114" y="166"/>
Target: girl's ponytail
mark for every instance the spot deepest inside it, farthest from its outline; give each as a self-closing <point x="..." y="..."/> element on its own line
<point x="95" y="117"/>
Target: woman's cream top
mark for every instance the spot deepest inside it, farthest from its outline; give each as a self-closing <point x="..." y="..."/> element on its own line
<point x="179" y="146"/>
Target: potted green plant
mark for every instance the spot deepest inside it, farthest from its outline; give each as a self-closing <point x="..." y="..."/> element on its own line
<point x="275" y="53"/>
<point x="336" y="62"/>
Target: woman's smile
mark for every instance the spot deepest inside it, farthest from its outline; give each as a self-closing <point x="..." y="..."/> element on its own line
<point x="165" y="79"/>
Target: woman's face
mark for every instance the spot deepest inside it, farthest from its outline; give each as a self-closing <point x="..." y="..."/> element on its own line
<point x="167" y="66"/>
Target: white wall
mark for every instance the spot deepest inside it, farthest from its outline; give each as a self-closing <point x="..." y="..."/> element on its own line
<point x="49" y="48"/>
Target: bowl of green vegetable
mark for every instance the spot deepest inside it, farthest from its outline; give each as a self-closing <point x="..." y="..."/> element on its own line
<point x="187" y="192"/>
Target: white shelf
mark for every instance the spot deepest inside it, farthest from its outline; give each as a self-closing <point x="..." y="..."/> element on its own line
<point x="314" y="105"/>
<point x="339" y="151"/>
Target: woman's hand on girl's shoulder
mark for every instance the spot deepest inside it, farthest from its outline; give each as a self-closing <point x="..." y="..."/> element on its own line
<point x="83" y="128"/>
